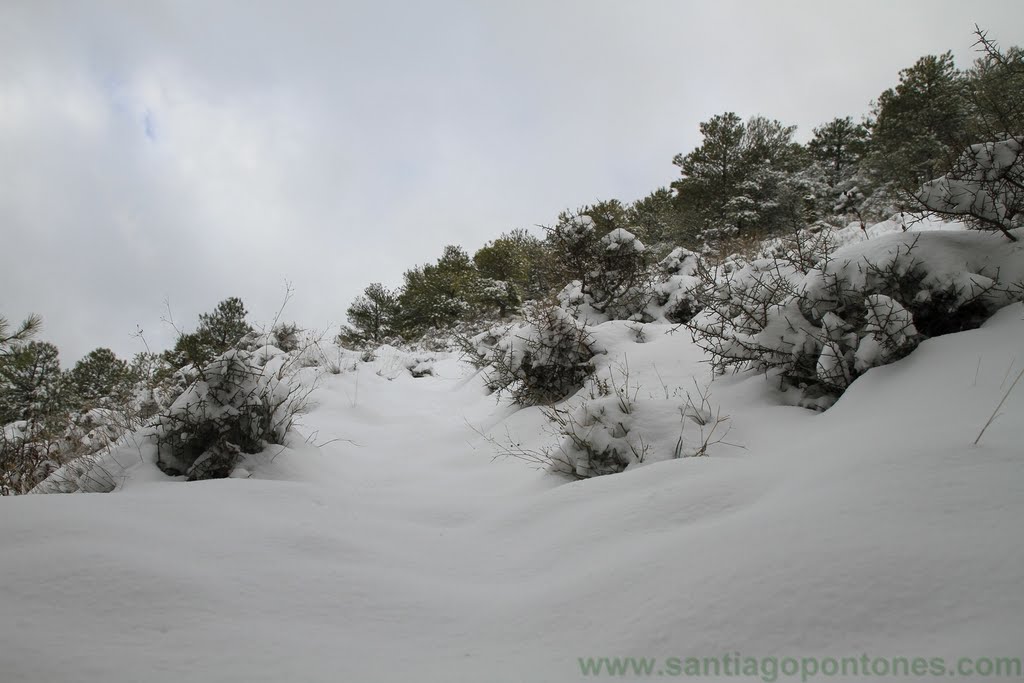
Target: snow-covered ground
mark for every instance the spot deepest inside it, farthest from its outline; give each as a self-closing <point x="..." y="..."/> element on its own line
<point x="399" y="551"/>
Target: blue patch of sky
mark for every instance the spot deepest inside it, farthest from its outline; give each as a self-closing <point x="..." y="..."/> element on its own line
<point x="122" y="103"/>
<point x="149" y="125"/>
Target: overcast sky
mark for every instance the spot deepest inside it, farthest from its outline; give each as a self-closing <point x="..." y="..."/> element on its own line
<point x="195" y="150"/>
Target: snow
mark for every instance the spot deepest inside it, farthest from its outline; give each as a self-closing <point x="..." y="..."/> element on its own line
<point x="397" y="550"/>
<point x="968" y="261"/>
<point x="912" y="223"/>
<point x="623" y="240"/>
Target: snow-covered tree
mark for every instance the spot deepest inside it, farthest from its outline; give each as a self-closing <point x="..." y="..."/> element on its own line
<point x="574" y="243"/>
<point x="620" y="287"/>
<point x="519" y="259"/>
<point x="742" y="179"/>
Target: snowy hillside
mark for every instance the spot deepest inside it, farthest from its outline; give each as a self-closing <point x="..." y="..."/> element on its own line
<point x="391" y="547"/>
<point x="466" y="342"/>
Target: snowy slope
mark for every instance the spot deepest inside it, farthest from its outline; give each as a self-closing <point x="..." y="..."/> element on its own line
<point x="398" y="551"/>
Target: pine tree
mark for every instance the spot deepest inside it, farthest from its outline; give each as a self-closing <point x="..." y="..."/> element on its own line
<point x="218" y="331"/>
<point x="225" y="326"/>
<point x="712" y="172"/>
<point x="9" y="338"/>
<point x="920" y="125"/>
<point x="608" y="215"/>
<point x="100" y="374"/>
<point x="996" y="91"/>
<point x="574" y="244"/>
<point x="519" y="259"/>
<point x="838" y="146"/>
<point x="372" y="316"/>
<point x="658" y="220"/>
<point x="439" y="294"/>
<point x="742" y="179"/>
<point x="31" y="386"/>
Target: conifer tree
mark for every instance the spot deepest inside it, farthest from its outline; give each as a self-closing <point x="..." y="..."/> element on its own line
<point x="31" y="386"/>
<point x="920" y="125"/>
<point x="100" y="374"/>
<point x="372" y="316"/>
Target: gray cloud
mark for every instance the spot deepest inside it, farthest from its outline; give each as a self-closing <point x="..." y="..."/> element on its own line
<point x="196" y="150"/>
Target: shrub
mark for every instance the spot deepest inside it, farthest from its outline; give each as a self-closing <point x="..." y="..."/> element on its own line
<point x="420" y="367"/>
<point x="597" y="435"/>
<point x="984" y="187"/>
<point x="604" y="432"/>
<point x="869" y="304"/>
<point x="236" y="406"/>
<point x="287" y="336"/>
<point x="675" y="294"/>
<point x="28" y="454"/>
<point x="541" y="360"/>
<point x="612" y="281"/>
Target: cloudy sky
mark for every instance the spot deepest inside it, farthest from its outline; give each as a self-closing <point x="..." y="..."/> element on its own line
<point x="193" y="150"/>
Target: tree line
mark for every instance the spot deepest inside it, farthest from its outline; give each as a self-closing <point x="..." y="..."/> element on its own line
<point x="748" y="179"/>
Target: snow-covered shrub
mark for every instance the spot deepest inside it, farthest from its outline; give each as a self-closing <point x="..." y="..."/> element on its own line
<point x="610" y="428"/>
<point x="27" y="456"/>
<point x="476" y="349"/>
<point x="37" y="448"/>
<point x="240" y="403"/>
<point x="985" y="187"/>
<point x="609" y="276"/>
<point x="420" y="367"/>
<point x="869" y="304"/>
<point x="542" y="359"/>
<point x="597" y="435"/>
<point x="574" y="242"/>
<point x="620" y="287"/>
<point x="803" y="249"/>
<point x="675" y="294"/>
<point x="287" y="336"/>
<point x="736" y="305"/>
